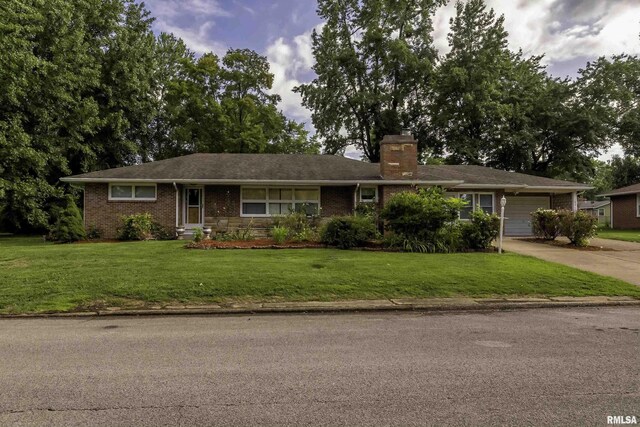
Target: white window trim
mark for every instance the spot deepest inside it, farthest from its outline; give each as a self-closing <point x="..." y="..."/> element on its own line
<point x="267" y="200"/>
<point x="475" y="199"/>
<point x="375" y="200"/>
<point x="133" y="197"/>
<point x="637" y="206"/>
<point x="601" y="210"/>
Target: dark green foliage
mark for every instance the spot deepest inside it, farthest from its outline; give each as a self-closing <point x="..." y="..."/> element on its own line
<point x="136" y="227"/>
<point x="348" y="231"/>
<point x="420" y="214"/>
<point x="86" y="85"/>
<point x="374" y="62"/>
<point x="545" y="224"/>
<point x="578" y="226"/>
<point x="68" y="226"/>
<point x="160" y="232"/>
<point x="480" y="230"/>
<point x="93" y="232"/>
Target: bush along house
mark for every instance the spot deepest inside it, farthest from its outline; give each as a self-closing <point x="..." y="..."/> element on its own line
<point x="206" y="189"/>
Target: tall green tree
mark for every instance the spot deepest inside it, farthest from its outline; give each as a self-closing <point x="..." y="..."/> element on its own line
<point x="614" y="86"/>
<point x="74" y="96"/>
<point x="374" y="61"/>
<point x="494" y="107"/>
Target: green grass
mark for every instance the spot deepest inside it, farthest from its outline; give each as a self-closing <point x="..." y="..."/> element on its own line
<point x="626" y="235"/>
<point x="36" y="276"/>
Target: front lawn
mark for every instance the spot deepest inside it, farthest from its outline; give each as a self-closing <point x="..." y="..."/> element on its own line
<point x="626" y="235"/>
<point x="36" y="276"/>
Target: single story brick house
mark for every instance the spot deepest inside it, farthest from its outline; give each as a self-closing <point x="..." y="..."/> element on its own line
<point x="600" y="209"/>
<point x="625" y="207"/>
<point x="199" y="189"/>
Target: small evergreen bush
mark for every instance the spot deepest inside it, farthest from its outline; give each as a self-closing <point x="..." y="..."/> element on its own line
<point x="480" y="230"/>
<point x="136" y="227"/>
<point x="578" y="226"/>
<point x="68" y="226"/>
<point x="348" y="231"/>
<point x="545" y="224"/>
<point x="198" y="234"/>
<point x="420" y="215"/>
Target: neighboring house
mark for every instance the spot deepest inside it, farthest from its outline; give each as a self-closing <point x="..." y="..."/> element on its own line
<point x="200" y="189"/>
<point x="625" y="207"/>
<point x="599" y="209"/>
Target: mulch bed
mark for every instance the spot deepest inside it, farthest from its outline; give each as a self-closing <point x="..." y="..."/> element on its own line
<point x="251" y="244"/>
<point x="561" y="244"/>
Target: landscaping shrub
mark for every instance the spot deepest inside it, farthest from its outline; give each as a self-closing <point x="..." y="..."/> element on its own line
<point x="446" y="240"/>
<point x="545" y="224"/>
<point x="578" y="226"/>
<point x="420" y="215"/>
<point x="160" y="232"/>
<point x="279" y="234"/>
<point x="296" y="222"/>
<point x="348" y="231"/>
<point x="93" y="232"/>
<point x="480" y="230"/>
<point x="242" y="233"/>
<point x="198" y="234"/>
<point x="136" y="227"/>
<point x="68" y="226"/>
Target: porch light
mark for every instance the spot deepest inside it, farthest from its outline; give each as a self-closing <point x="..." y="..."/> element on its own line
<point x="503" y="201"/>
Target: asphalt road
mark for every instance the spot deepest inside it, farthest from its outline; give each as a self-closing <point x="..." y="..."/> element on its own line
<point x="539" y="367"/>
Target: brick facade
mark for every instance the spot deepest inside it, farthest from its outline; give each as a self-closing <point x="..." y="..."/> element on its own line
<point x="625" y="211"/>
<point x="106" y="215"/>
<point x="222" y="200"/>
<point x="336" y="200"/>
<point x="399" y="157"/>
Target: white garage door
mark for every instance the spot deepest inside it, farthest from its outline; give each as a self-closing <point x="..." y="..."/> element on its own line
<point x="518" y="213"/>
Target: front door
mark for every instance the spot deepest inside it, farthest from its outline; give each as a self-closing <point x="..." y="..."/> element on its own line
<point x="194" y="212"/>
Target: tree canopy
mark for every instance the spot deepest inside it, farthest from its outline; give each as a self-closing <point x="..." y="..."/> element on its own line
<point x="86" y="85"/>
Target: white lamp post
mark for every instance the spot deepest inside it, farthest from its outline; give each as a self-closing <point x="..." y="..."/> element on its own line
<point x="503" y="203"/>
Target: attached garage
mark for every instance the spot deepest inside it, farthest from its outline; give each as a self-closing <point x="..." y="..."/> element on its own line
<point x="518" y="213"/>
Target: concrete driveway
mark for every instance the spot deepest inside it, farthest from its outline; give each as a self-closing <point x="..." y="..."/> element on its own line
<point x="619" y="259"/>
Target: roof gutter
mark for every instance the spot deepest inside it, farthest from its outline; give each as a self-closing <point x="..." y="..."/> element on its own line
<point x="626" y="193"/>
<point x="264" y="182"/>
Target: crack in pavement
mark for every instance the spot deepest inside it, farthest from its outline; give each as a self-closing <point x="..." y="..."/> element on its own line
<point x="319" y="401"/>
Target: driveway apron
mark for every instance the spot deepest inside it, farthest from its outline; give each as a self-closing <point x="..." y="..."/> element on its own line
<point x="617" y="259"/>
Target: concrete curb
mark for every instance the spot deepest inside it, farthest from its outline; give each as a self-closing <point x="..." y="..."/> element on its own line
<point x="436" y="305"/>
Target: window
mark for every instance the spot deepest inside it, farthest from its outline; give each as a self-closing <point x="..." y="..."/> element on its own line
<point x="132" y="192"/>
<point x="483" y="201"/>
<point x="368" y="194"/>
<point x="600" y="211"/>
<point x="638" y="205"/>
<point x="263" y="201"/>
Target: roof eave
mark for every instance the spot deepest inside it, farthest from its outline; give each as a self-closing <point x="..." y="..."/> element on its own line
<point x="78" y="180"/>
<point x="625" y="193"/>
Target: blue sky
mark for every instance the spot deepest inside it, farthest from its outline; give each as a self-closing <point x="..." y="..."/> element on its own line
<point x="569" y="32"/>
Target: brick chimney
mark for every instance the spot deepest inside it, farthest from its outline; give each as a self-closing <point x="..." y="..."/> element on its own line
<point x="399" y="157"/>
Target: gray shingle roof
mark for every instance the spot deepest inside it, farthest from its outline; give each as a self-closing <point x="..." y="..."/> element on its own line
<point x="629" y="189"/>
<point x="587" y="204"/>
<point x="227" y="167"/>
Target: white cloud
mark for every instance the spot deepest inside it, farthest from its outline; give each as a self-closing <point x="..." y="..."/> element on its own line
<point x="290" y="61"/>
<point x="173" y="8"/>
<point x="560" y="29"/>
<point x="196" y="39"/>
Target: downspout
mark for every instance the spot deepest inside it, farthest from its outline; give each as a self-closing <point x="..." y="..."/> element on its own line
<point x="177" y="201"/>
<point x="574" y="201"/>
<point x="355" y="198"/>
